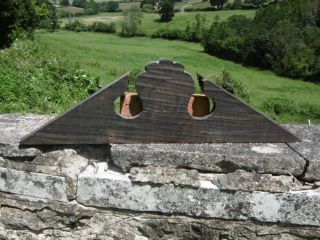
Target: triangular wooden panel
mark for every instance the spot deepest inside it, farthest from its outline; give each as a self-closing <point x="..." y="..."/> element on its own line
<point x="164" y="89"/>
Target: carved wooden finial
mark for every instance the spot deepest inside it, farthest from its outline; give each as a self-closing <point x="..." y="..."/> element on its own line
<point x="164" y="89"/>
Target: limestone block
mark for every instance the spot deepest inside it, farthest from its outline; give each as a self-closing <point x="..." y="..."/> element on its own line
<point x="15" y="126"/>
<point x="72" y="221"/>
<point x="165" y="175"/>
<point x="111" y="189"/>
<point x="33" y="184"/>
<point x="311" y="152"/>
<point x="308" y="148"/>
<point x="219" y="158"/>
<point x="13" y="151"/>
<point x="252" y="181"/>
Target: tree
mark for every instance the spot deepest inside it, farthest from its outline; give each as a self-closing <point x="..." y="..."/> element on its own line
<point x="64" y="3"/>
<point x="50" y="18"/>
<point x="237" y="4"/>
<point x="79" y="3"/>
<point x="147" y="2"/>
<point x="91" y="7"/>
<point x="166" y="10"/>
<point x="131" y="21"/>
<point x="317" y="12"/>
<point x="256" y="3"/>
<point x="218" y="4"/>
<point x="112" y="6"/>
<point x="18" y="18"/>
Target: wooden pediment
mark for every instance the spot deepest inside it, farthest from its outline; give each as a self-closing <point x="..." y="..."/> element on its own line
<point x="164" y="89"/>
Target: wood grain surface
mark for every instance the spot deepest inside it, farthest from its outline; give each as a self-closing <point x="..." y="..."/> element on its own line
<point x="164" y="89"/>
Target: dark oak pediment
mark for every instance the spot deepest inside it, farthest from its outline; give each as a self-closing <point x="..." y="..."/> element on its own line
<point x="164" y="89"/>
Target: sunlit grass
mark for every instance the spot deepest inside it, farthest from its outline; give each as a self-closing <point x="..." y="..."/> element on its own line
<point x="109" y="56"/>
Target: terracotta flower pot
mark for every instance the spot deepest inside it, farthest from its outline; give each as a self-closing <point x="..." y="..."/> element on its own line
<point x="131" y="105"/>
<point x="199" y="105"/>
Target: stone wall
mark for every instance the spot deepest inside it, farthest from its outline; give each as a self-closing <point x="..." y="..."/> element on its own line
<point x="158" y="191"/>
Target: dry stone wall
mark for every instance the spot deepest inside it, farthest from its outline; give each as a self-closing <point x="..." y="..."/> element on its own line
<point x="158" y="191"/>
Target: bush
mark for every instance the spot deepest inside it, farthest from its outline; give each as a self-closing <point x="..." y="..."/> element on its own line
<point x="33" y="80"/>
<point x="279" y="107"/>
<point x="148" y="8"/>
<point x="232" y="86"/>
<point x="195" y="31"/>
<point x="19" y="18"/>
<point x="112" y="6"/>
<point x="166" y="10"/>
<point x="189" y="9"/>
<point x="76" y="26"/>
<point x="131" y="22"/>
<point x="102" y="27"/>
<point x="226" y="39"/>
<point x="281" y="37"/>
<point x="170" y="34"/>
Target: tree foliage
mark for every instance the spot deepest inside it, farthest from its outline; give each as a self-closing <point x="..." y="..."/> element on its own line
<point x="79" y="3"/>
<point x="131" y="21"/>
<point x="64" y="2"/>
<point x="166" y="10"/>
<point x="18" y="18"/>
<point x="218" y="4"/>
<point x="283" y="37"/>
<point x="112" y="6"/>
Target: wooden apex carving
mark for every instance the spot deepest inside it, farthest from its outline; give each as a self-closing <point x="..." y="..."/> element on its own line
<point x="164" y="89"/>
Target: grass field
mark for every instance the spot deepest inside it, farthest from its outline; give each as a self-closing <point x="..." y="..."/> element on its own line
<point x="151" y="24"/>
<point x="109" y="56"/>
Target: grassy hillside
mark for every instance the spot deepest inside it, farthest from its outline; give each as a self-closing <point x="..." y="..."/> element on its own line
<point x="109" y="56"/>
<point x="150" y="21"/>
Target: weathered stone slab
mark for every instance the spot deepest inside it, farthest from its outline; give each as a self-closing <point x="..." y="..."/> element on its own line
<point x="115" y="190"/>
<point x="66" y="163"/>
<point x="251" y="181"/>
<point x="33" y="184"/>
<point x="311" y="152"/>
<point x="165" y="175"/>
<point x="15" y="126"/>
<point x="13" y="151"/>
<point x="238" y="180"/>
<point x="219" y="158"/>
<point x="306" y="133"/>
<point x="308" y="148"/>
<point x="21" y="219"/>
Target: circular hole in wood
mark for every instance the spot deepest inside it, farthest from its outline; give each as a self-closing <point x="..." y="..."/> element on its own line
<point x="200" y="106"/>
<point x="128" y="105"/>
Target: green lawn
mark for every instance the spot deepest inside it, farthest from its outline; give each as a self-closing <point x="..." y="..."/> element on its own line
<point x="150" y="21"/>
<point x="109" y="56"/>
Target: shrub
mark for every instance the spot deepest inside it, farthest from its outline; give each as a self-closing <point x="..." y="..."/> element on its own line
<point x="283" y="37"/>
<point x="196" y="30"/>
<point x="232" y="86"/>
<point x="166" y="10"/>
<point x="131" y="22"/>
<point x="170" y="34"/>
<point x="102" y="27"/>
<point x="112" y="6"/>
<point x="132" y="79"/>
<point x="33" y="80"/>
<point x="279" y="107"/>
<point x="148" y="8"/>
<point x="19" y="18"/>
<point x="76" y="26"/>
<point x="189" y="9"/>
<point x="226" y="39"/>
